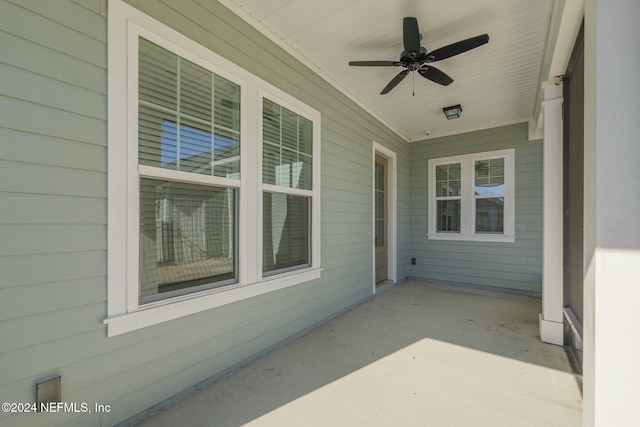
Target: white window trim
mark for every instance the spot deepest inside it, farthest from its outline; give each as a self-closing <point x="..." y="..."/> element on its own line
<point x="124" y="313"/>
<point x="467" y="220"/>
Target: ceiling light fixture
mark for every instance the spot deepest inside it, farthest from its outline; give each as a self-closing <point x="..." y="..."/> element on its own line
<point x="452" y="112"/>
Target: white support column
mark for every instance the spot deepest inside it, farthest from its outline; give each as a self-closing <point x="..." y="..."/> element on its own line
<point x="551" y="317"/>
<point x="611" y="371"/>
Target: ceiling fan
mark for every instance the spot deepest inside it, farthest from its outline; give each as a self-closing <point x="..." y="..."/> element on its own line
<point x="416" y="58"/>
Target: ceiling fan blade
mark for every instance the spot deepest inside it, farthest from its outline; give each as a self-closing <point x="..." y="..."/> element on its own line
<point x="394" y="82"/>
<point x="410" y="35"/>
<point x="435" y="75"/>
<point x="374" y="63"/>
<point x="457" y="48"/>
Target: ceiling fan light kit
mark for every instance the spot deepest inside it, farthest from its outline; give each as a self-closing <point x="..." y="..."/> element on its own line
<point x="416" y="58"/>
<point x="452" y="112"/>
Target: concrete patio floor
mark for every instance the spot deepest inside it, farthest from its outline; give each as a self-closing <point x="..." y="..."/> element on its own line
<point x="418" y="354"/>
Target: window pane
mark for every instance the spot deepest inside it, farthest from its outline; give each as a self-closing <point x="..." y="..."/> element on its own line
<point x="289" y="129"/>
<point x="448" y="180"/>
<point x="187" y="238"/>
<point x="189" y="118"/>
<point x="227" y="104"/>
<point x="270" y="161"/>
<point x="489" y="177"/>
<point x="195" y="147"/>
<point x="285" y="232"/>
<point x="160" y="139"/>
<point x="157" y="138"/>
<point x="195" y="90"/>
<point x="157" y="74"/>
<point x="306" y="173"/>
<point x="448" y="216"/>
<point x="226" y="154"/>
<point x="289" y="171"/>
<point x="271" y="122"/>
<point x="490" y="215"/>
<point x="305" y="135"/>
<point x="287" y="147"/>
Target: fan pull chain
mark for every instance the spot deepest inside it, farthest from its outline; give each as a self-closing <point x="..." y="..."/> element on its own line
<point x="413" y="83"/>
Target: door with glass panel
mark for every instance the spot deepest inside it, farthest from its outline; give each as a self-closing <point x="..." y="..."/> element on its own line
<point x="381" y="218"/>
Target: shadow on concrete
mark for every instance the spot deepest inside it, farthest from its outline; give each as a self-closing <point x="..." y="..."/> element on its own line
<point x="417" y="354"/>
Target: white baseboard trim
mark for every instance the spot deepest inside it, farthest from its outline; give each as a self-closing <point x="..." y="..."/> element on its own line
<point x="551" y="332"/>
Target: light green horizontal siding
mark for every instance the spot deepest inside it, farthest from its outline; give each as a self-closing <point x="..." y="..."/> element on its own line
<point x="27" y="239"/>
<point x="45" y="297"/>
<point x="97" y="6"/>
<point x="17" y="20"/>
<point x="41" y="179"/>
<point x="87" y="19"/>
<point x="49" y="121"/>
<point x="20" y="208"/>
<point x="41" y="60"/>
<point x="26" y="147"/>
<point x="35" y="329"/>
<point x="506" y="265"/>
<point x="18" y="270"/>
<point x="53" y="215"/>
<point x="21" y="84"/>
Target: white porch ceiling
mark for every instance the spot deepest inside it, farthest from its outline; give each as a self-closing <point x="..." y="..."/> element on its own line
<point x="496" y="84"/>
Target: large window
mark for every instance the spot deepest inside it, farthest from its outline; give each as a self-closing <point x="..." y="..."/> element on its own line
<point x="188" y="122"/>
<point x="287" y="164"/>
<point x="472" y="197"/>
<point x="213" y="178"/>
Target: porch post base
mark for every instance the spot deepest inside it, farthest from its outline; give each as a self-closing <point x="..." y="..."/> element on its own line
<point x="551" y="332"/>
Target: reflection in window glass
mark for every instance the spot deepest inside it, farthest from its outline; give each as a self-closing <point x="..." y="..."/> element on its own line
<point x="448" y="183"/>
<point x="189" y="118"/>
<point x="187" y="237"/>
<point x="286" y="232"/>
<point x="489" y="177"/>
<point x="195" y="147"/>
<point x="448" y="216"/>
<point x="471" y="197"/>
<point x="448" y="180"/>
<point x="287" y="140"/>
<point x="490" y="215"/>
<point x="489" y="183"/>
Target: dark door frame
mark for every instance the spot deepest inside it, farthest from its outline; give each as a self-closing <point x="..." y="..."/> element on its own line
<point x="573" y="203"/>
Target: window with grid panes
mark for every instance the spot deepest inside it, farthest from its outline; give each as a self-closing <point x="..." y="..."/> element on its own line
<point x="472" y="197"/>
<point x="188" y="124"/>
<point x="213" y="178"/>
<point x="287" y="162"/>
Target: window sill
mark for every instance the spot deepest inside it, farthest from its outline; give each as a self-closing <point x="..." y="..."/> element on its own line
<point x="491" y="238"/>
<point x="174" y="308"/>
